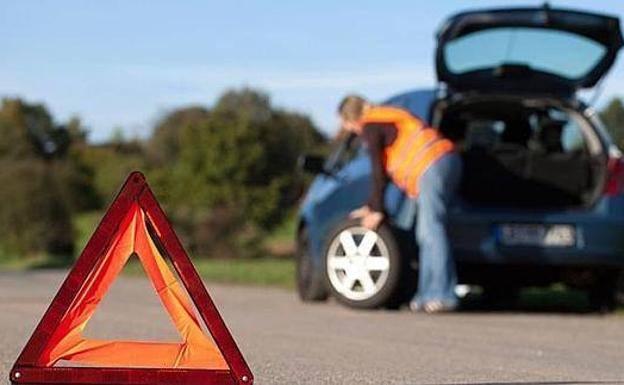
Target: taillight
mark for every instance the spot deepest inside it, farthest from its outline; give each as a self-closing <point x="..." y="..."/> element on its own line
<point x="615" y="181"/>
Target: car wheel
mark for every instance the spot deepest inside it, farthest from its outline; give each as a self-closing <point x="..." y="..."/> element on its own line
<point x="363" y="267"/>
<point x="603" y="293"/>
<point x="620" y="289"/>
<point x="310" y="280"/>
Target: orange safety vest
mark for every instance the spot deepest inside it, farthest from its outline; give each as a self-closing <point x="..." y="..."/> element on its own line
<point x="415" y="148"/>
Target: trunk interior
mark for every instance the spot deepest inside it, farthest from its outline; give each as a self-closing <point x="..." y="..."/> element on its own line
<point x="524" y="153"/>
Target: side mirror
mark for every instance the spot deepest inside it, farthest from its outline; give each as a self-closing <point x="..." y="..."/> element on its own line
<point x="312" y="163"/>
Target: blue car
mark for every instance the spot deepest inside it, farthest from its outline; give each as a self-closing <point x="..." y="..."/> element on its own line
<point x="542" y="196"/>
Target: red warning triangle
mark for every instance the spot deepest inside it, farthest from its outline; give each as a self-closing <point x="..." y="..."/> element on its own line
<point x="134" y="224"/>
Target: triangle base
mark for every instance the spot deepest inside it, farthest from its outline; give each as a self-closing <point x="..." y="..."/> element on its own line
<point x="120" y="376"/>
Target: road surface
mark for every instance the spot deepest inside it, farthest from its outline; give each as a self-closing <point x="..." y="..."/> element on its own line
<point x="286" y="342"/>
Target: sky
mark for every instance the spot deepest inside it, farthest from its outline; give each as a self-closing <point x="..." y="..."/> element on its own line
<point x="123" y="64"/>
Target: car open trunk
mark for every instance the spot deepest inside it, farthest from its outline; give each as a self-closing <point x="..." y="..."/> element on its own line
<point x="547" y="50"/>
<point x="524" y="153"/>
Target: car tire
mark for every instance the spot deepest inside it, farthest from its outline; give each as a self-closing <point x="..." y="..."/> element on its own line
<point x="387" y="282"/>
<point x="310" y="280"/>
<point x="603" y="293"/>
<point x="620" y="289"/>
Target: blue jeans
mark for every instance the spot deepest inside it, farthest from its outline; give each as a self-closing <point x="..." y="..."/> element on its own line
<point x="438" y="189"/>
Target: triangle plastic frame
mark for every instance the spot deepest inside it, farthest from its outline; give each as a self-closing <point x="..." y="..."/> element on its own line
<point x="26" y="371"/>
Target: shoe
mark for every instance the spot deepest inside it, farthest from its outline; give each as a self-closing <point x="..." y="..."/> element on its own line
<point x="434" y="307"/>
<point x="416" y="306"/>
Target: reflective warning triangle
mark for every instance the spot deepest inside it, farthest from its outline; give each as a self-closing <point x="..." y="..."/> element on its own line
<point x="134" y="224"/>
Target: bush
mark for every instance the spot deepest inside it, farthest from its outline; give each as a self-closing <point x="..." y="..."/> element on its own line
<point x="226" y="174"/>
<point x="232" y="176"/>
<point x="613" y="118"/>
<point x="42" y="180"/>
<point x="110" y="164"/>
<point x="34" y="218"/>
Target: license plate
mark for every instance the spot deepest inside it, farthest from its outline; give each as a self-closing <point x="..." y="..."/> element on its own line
<point x="537" y="235"/>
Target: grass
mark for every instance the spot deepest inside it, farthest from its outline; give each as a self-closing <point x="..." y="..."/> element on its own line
<point x="281" y="241"/>
<point x="270" y="271"/>
<point x="10" y="263"/>
<point x="84" y="226"/>
<point x="276" y="272"/>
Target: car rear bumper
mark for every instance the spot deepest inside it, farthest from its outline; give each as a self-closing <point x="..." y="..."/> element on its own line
<point x="599" y="242"/>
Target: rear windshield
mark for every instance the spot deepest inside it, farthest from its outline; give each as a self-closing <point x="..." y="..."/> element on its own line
<point x="557" y="52"/>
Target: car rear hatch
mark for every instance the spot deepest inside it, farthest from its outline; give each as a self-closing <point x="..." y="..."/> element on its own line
<point x="536" y="50"/>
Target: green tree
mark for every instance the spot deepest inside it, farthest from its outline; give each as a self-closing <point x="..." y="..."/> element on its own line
<point x="232" y="174"/>
<point x="43" y="178"/>
<point x="21" y="126"/>
<point x="164" y="145"/>
<point x="226" y="173"/>
<point x="613" y="117"/>
<point x="110" y="164"/>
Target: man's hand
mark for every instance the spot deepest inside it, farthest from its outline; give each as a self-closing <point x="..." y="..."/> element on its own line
<point x="372" y="220"/>
<point x="360" y="213"/>
<point x="369" y="219"/>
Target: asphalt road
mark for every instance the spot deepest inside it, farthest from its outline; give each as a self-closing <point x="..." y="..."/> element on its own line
<point x="286" y="342"/>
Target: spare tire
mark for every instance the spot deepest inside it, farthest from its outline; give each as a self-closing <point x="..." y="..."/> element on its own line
<point x="363" y="268"/>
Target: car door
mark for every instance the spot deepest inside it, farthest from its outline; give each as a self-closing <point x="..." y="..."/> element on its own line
<point x="342" y="187"/>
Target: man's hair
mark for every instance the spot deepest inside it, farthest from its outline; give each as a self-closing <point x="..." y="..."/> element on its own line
<point x="351" y="107"/>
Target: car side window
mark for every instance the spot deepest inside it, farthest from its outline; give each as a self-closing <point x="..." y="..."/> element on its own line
<point x="572" y="137"/>
<point x="560" y="133"/>
<point x="346" y="150"/>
